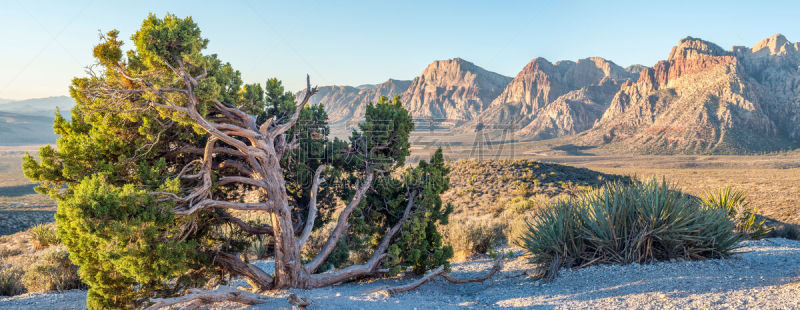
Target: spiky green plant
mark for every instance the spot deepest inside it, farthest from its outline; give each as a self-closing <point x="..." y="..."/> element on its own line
<point x="43" y="236"/>
<point x="622" y="224"/>
<point x="735" y="203"/>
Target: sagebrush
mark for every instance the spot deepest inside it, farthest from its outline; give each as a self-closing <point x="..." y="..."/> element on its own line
<point x="52" y="271"/>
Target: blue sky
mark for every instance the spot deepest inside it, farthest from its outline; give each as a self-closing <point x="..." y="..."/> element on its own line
<point x="43" y="44"/>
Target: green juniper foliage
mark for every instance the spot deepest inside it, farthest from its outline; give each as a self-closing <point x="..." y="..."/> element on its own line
<point x="123" y="159"/>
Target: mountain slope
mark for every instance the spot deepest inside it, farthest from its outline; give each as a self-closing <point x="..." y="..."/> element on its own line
<point x="532" y="102"/>
<point x="704" y="99"/>
<point x="30" y="121"/>
<point x="345" y="103"/>
<point x="453" y="89"/>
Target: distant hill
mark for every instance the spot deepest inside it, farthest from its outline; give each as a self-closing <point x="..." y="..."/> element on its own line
<point x="38" y="106"/>
<point x="30" y="121"/>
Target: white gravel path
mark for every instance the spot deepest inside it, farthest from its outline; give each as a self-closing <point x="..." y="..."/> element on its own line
<point x="764" y="276"/>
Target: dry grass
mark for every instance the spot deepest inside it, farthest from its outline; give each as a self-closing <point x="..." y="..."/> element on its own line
<point x="43" y="235"/>
<point x="470" y="236"/>
<point x="479" y="187"/>
<point x="24" y="266"/>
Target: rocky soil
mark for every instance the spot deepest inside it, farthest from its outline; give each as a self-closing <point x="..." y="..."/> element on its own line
<point x="763" y="276"/>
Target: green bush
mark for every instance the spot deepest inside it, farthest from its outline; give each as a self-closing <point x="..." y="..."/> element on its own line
<point x="124" y="240"/>
<point x="52" y="271"/>
<point x="735" y="203"/>
<point x="10" y="282"/>
<point x="622" y="224"/>
<point x="43" y="236"/>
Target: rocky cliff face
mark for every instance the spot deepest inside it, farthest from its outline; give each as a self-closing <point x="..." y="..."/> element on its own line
<point x="453" y="89"/>
<point x="547" y="100"/>
<point x="572" y="112"/>
<point x="704" y="99"/>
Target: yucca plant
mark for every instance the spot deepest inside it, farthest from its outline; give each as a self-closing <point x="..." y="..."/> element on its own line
<point x="627" y="223"/>
<point x="735" y="203"/>
<point x="43" y="236"/>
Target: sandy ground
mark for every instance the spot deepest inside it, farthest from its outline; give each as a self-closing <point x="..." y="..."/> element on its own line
<point x="763" y="276"/>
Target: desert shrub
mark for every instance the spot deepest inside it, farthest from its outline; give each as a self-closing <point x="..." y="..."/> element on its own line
<point x="735" y="203"/>
<point x="10" y="282"/>
<point x="520" y="204"/>
<point x="517" y="225"/>
<point x="622" y="224"/>
<point x="43" y="236"/>
<point x="53" y="271"/>
<point x="474" y="236"/>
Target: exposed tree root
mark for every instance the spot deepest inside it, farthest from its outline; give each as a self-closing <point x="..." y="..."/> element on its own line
<point x="440" y="272"/>
<point x="198" y="297"/>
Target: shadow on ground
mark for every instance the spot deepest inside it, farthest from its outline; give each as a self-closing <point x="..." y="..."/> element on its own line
<point x="18" y="190"/>
<point x="16" y="221"/>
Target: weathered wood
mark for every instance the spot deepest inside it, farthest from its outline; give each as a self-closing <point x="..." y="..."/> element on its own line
<point x="440" y="272"/>
<point x="197" y="297"/>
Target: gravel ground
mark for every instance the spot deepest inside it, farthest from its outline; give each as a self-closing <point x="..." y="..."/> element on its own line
<point x="763" y="276"/>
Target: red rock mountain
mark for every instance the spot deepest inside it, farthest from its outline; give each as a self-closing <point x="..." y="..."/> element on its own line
<point x="548" y="100"/>
<point x="704" y="99"/>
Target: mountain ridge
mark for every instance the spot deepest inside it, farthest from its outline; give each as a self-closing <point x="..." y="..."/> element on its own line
<point x="701" y="98"/>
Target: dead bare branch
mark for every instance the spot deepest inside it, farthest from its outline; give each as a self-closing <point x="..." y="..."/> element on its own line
<point x="341" y="224"/>
<point x="220" y="294"/>
<point x="312" y="208"/>
<point x="440" y="272"/>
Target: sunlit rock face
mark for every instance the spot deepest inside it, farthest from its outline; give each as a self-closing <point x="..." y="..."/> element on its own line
<point x="704" y="99"/>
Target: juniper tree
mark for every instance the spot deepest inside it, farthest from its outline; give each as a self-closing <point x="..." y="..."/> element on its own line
<point x="162" y="134"/>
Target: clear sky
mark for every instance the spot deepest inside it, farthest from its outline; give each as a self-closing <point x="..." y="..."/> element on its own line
<point x="43" y="44"/>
